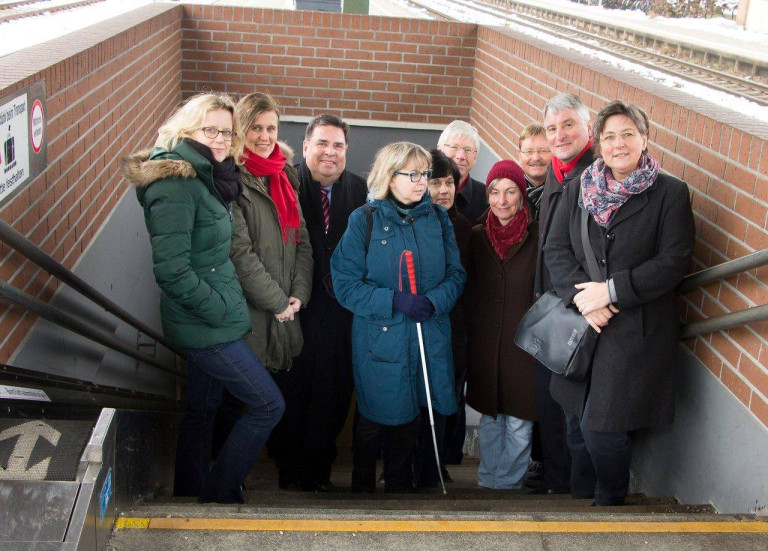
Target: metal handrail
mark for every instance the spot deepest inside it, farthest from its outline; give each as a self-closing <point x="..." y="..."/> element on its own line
<point x="62" y="319"/>
<point x="24" y="246"/>
<point x="721" y="271"/>
<point x="755" y="314"/>
<point x="67" y="321"/>
<point x="724" y="322"/>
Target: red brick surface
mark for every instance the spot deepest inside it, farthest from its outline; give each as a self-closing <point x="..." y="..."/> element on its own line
<point x="106" y="89"/>
<point x="359" y="67"/>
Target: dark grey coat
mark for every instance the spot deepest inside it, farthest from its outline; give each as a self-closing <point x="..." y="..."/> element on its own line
<point x="646" y="250"/>
<point x="472" y="201"/>
<point x="549" y="200"/>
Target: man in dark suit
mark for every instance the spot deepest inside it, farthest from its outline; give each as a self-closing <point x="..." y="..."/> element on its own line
<point x="318" y="388"/>
<point x="460" y="142"/>
<point x="568" y="131"/>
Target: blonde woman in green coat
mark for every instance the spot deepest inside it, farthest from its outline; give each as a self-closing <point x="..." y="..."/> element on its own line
<point x="273" y="258"/>
<point x="186" y="186"/>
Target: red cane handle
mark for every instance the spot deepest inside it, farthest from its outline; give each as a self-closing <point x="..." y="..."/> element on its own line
<point x="411" y="271"/>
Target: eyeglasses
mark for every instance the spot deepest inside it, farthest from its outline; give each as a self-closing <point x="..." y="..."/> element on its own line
<point x="626" y="136"/>
<point x="415" y="175"/>
<point x="466" y="150"/>
<point x="338" y="147"/>
<point x="437" y="183"/>
<point x="530" y="152"/>
<point x="212" y="133"/>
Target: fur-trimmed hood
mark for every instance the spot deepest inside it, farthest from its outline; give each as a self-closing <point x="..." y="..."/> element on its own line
<point x="139" y="171"/>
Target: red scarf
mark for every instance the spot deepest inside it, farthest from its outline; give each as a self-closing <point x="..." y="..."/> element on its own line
<point x="503" y="237"/>
<point x="280" y="189"/>
<point x="561" y="169"/>
<point x="463" y="183"/>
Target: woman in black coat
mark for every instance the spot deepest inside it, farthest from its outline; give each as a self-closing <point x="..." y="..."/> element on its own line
<point x="641" y="230"/>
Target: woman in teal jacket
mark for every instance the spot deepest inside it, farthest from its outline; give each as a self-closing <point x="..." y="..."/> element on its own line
<point x="371" y="281"/>
<point x="186" y="185"/>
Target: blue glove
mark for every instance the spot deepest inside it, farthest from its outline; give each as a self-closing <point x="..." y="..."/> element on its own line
<point x="416" y="307"/>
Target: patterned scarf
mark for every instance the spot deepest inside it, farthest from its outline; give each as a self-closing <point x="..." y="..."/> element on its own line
<point x="503" y="237"/>
<point x="280" y="189"/>
<point x="561" y="169"/>
<point x="602" y="195"/>
<point x="534" y="193"/>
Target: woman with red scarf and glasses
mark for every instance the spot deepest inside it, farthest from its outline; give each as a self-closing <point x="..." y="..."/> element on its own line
<point x="273" y="258"/>
<point x="501" y="378"/>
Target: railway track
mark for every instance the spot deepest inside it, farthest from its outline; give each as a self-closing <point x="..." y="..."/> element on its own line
<point x="692" y="72"/>
<point x="17" y="9"/>
<point x="700" y="54"/>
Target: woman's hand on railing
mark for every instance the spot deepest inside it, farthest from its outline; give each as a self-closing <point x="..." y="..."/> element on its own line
<point x="592" y="297"/>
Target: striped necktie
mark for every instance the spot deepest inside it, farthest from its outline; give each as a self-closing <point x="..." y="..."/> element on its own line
<point x="326" y="208"/>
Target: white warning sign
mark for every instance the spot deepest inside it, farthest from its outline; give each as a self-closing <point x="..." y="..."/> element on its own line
<point x="14" y="148"/>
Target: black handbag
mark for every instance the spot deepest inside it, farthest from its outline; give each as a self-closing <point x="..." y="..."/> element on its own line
<point x="556" y="335"/>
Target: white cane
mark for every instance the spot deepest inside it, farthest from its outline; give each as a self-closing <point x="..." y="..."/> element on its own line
<point x="412" y="282"/>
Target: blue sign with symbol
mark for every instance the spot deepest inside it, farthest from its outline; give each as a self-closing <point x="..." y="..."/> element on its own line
<point x="105" y="496"/>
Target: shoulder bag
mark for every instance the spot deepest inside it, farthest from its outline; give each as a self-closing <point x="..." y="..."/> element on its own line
<point x="556" y="335"/>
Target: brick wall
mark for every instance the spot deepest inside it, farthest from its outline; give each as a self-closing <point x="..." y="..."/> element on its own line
<point x="106" y="89"/>
<point x="360" y="67"/>
<point x="723" y="157"/>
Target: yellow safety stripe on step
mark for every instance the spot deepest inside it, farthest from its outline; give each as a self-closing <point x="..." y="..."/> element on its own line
<point x="126" y="523"/>
<point x="738" y="527"/>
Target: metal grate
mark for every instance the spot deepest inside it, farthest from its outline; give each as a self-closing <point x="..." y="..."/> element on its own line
<point x="41" y="449"/>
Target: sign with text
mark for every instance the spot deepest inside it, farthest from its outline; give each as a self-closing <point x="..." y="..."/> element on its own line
<point x="22" y="393"/>
<point x="23" y="140"/>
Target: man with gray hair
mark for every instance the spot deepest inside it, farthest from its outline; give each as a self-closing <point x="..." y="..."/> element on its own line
<point x="568" y="131"/>
<point x="460" y="142"/>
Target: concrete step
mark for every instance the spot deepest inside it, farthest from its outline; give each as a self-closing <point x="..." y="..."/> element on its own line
<point x="467" y="518"/>
<point x="256" y="501"/>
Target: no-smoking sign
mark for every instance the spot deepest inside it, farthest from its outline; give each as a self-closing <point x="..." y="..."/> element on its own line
<point x="37" y="126"/>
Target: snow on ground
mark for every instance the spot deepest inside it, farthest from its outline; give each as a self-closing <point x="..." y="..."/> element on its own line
<point x="722" y="99"/>
<point x="29" y="31"/>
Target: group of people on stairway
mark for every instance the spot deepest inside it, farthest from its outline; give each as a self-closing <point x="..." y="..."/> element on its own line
<point x="286" y="287"/>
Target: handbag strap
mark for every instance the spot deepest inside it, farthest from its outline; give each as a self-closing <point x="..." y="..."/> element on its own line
<point x="592" y="268"/>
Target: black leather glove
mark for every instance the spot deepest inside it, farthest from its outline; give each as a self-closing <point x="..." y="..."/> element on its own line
<point x="416" y="307"/>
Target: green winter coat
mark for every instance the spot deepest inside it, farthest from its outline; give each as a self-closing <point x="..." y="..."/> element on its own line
<point x="190" y="229"/>
<point x="270" y="271"/>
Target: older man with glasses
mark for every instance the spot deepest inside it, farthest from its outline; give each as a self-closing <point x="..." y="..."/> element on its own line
<point x="460" y="141"/>
<point x="534" y="158"/>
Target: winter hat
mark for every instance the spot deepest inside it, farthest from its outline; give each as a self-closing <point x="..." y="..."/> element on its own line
<point x="507" y="169"/>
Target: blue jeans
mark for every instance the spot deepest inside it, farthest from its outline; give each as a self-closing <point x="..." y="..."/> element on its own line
<point x="505" y="448"/>
<point x="233" y="366"/>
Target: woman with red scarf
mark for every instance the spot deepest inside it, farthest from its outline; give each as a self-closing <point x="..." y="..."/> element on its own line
<point x="501" y="378"/>
<point x="272" y="255"/>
